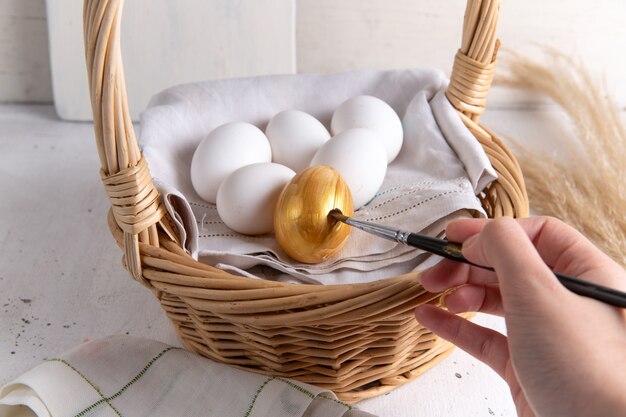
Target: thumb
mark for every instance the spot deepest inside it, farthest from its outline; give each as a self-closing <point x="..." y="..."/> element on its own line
<point x="526" y="283"/>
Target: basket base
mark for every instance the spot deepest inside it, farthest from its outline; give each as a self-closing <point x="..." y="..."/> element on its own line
<point x="382" y="379"/>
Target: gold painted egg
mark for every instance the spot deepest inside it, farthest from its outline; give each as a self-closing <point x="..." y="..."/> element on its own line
<point x="301" y="222"/>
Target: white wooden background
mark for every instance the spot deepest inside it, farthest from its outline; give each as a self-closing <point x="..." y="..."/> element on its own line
<point x="24" y="63"/>
<point x="338" y="35"/>
<point x="168" y="42"/>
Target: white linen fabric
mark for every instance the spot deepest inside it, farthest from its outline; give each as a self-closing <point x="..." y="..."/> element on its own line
<point x="435" y="178"/>
<point x="134" y="377"/>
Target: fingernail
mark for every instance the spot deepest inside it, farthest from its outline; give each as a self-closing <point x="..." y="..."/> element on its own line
<point x="442" y="297"/>
<point x="462" y="308"/>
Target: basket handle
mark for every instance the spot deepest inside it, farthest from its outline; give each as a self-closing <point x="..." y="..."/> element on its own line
<point x="475" y="62"/>
<point x="135" y="201"/>
<point x="472" y="74"/>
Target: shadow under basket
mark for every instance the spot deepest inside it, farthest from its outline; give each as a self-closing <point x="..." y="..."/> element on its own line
<point x="358" y="340"/>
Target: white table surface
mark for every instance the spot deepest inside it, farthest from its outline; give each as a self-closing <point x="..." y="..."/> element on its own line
<point x="61" y="279"/>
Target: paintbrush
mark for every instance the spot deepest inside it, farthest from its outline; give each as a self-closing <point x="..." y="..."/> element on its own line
<point x="452" y="250"/>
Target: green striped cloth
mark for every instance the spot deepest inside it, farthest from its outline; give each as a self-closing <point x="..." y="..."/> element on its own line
<point x="128" y="376"/>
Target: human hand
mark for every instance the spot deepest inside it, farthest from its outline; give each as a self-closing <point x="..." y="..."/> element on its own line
<point x="565" y="355"/>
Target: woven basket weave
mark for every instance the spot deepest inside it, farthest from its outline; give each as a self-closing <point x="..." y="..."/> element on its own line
<point x="359" y="340"/>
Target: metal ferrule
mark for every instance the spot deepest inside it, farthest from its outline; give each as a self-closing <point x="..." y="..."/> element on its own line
<point x="380" y="230"/>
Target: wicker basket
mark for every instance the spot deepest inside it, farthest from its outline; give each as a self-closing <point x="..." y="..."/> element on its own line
<point x="358" y="340"/>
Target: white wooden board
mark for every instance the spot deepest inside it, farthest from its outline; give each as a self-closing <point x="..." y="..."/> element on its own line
<point x="24" y="65"/>
<point x="348" y="34"/>
<point x="331" y="36"/>
<point x="168" y="42"/>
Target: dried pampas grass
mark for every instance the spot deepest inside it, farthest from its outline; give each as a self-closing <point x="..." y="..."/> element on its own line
<point x="589" y="190"/>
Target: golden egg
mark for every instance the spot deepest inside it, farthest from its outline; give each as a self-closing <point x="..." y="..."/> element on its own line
<point x="301" y="222"/>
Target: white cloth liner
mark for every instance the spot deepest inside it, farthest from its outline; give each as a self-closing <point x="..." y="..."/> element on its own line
<point x="435" y="178"/>
<point x="130" y="376"/>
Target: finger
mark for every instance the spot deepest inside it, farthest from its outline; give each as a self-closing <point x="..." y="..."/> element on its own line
<point x="484" y="344"/>
<point x="560" y="246"/>
<point x="448" y="274"/>
<point x="526" y="283"/>
<point x="566" y="250"/>
<point x="478" y="298"/>
<point x="461" y="229"/>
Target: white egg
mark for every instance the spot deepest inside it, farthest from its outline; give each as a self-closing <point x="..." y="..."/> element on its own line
<point x="371" y="113"/>
<point x="247" y="197"/>
<point x="360" y="158"/>
<point x="225" y="149"/>
<point x="295" y="136"/>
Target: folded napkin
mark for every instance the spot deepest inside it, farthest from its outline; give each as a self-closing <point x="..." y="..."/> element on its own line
<point x="435" y="178"/>
<point x="130" y="376"/>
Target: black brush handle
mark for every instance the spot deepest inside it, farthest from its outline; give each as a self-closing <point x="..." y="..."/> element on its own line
<point x="441" y="247"/>
<point x="589" y="289"/>
<point x="451" y="250"/>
